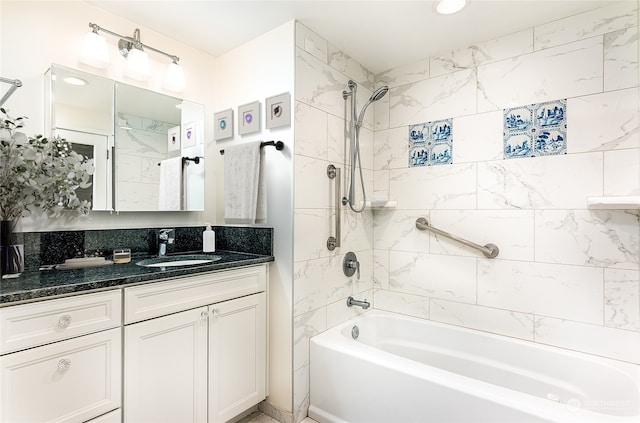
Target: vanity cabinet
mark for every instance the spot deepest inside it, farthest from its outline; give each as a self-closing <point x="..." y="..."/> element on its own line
<point x="195" y="348"/>
<point x="60" y="359"/>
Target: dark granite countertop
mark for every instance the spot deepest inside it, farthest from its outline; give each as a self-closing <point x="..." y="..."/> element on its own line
<point x="38" y="285"/>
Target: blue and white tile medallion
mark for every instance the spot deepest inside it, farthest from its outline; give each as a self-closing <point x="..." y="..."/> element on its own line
<point x="536" y="130"/>
<point x="431" y="143"/>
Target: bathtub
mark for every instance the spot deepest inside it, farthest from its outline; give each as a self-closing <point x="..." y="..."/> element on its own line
<point x="406" y="370"/>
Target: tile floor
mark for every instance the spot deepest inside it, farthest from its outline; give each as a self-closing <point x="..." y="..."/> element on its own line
<point x="259" y="417"/>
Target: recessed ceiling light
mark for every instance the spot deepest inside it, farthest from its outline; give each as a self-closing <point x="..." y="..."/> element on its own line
<point x="449" y="7"/>
<point x="72" y="80"/>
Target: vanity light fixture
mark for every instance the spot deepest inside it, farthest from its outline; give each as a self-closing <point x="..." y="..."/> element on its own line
<point x="137" y="59"/>
<point x="74" y="80"/>
<point x="449" y="7"/>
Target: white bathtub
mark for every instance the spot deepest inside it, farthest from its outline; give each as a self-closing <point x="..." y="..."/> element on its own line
<point x="406" y="370"/>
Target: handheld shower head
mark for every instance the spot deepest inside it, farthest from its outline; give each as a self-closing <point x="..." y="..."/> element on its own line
<point x="377" y="95"/>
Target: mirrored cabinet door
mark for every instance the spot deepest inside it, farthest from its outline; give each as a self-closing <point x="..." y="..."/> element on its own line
<point x="147" y="147"/>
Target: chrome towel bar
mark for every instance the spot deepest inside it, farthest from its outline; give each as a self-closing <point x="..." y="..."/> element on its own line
<point x="489" y="250"/>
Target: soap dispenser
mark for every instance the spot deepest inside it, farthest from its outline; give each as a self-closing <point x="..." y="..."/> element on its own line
<point x="208" y="240"/>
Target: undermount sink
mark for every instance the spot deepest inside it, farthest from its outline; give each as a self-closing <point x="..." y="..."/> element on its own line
<point x="178" y="261"/>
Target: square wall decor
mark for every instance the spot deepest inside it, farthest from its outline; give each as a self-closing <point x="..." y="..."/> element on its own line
<point x="278" y="110"/>
<point x="431" y="143"/>
<point x="249" y="118"/>
<point x="189" y="135"/>
<point x="535" y="130"/>
<point x="173" y="139"/>
<point x="223" y="125"/>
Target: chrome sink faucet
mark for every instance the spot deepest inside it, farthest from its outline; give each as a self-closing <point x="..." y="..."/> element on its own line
<point x="163" y="240"/>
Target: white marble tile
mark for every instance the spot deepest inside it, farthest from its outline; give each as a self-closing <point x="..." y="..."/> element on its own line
<point x="554" y="290"/>
<point x="318" y="282"/>
<point x="345" y="64"/>
<point x="622" y="299"/>
<point x="566" y="71"/>
<point x="381" y="109"/>
<point x="478" y="138"/>
<point x="304" y="327"/>
<point x="300" y="393"/>
<point x="381" y="269"/>
<point x="407" y="304"/>
<point x="391" y="148"/>
<point x="357" y="230"/>
<point x="366" y="148"/>
<point x="442" y="97"/>
<point x="338" y="140"/>
<point x="551" y="182"/>
<point x="319" y="85"/>
<point x="406" y="74"/>
<point x="588" y="237"/>
<point x="311" y="42"/>
<point x="128" y="168"/>
<point x="622" y="172"/>
<point x="510" y="230"/>
<point x="621" y="59"/>
<point x="149" y="170"/>
<point x="586" y="25"/>
<point x="502" y="322"/>
<point x="500" y="48"/>
<point x="381" y="184"/>
<point x="313" y="188"/>
<point x="599" y="340"/>
<point x="605" y="121"/>
<point x="310" y="131"/>
<point x="396" y="230"/>
<point x="435" y="187"/>
<point x="311" y="230"/>
<point x="139" y="196"/>
<point x="432" y="275"/>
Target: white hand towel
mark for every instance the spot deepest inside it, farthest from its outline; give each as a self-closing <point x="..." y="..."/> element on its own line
<point x="170" y="191"/>
<point x="245" y="185"/>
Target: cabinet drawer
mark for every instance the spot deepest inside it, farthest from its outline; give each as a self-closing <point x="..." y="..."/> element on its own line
<point x="30" y="325"/>
<point x="161" y="298"/>
<point x="113" y="417"/>
<point x="71" y="381"/>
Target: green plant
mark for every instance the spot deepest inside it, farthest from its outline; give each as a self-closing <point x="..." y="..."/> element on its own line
<point x="38" y="174"/>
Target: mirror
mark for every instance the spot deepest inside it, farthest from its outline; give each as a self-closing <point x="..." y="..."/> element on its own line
<point x="148" y="147"/>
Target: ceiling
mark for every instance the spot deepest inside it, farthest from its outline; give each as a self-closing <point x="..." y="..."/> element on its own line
<point x="380" y="34"/>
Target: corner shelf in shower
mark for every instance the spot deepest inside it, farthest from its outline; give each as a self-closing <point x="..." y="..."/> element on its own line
<point x="620" y="202"/>
<point x="381" y="204"/>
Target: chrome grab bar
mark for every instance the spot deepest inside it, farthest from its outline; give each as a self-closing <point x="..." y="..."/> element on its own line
<point x="334" y="173"/>
<point x="489" y="250"/>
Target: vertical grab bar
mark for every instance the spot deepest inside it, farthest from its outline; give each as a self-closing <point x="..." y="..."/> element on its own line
<point x="334" y="173"/>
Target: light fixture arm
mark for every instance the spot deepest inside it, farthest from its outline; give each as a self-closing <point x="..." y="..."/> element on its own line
<point x="127" y="43"/>
<point x="15" y="84"/>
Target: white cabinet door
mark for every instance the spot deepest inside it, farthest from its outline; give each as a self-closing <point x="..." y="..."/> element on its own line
<point x="68" y="381"/>
<point x="237" y="356"/>
<point x="165" y="369"/>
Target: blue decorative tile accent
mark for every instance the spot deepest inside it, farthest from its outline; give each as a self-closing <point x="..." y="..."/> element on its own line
<point x="535" y="130"/>
<point x="431" y="143"/>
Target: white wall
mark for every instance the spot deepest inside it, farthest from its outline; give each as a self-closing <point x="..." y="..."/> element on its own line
<point x="567" y="275"/>
<point x="35" y="34"/>
<point x="259" y="69"/>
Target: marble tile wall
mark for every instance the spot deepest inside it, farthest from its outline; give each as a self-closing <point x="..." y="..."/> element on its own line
<point x="320" y="288"/>
<point x="566" y="275"/>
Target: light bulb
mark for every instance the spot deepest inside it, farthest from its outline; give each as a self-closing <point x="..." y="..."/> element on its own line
<point x="137" y="65"/>
<point x="94" y="51"/>
<point x="174" y="79"/>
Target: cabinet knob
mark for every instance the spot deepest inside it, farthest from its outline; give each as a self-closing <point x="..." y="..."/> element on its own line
<point x="64" y="321"/>
<point x="215" y="312"/>
<point x="204" y="314"/>
<point x="63" y="365"/>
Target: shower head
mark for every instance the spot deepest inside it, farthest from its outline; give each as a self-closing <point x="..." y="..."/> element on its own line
<point x="377" y="95"/>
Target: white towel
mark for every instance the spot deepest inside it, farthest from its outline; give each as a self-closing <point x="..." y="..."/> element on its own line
<point x="245" y="185"/>
<point x="170" y="191"/>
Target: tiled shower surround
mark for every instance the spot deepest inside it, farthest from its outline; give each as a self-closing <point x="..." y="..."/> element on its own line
<point x="566" y="275"/>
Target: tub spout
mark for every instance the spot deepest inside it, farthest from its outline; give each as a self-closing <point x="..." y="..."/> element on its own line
<point x="353" y="302"/>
